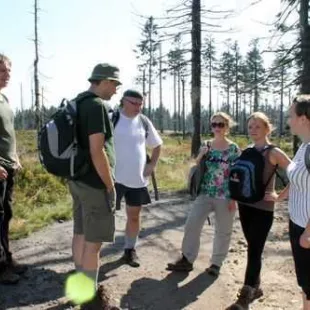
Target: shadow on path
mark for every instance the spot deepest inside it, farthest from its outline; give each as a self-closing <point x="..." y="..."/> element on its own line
<point x="165" y="294"/>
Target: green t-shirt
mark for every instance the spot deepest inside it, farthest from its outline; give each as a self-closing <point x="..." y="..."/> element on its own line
<point x="93" y="118"/>
<point x="8" y="155"/>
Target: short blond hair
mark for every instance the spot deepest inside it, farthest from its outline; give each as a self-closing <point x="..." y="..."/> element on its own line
<point x="228" y="120"/>
<point x="262" y="117"/>
<point x="5" y="59"/>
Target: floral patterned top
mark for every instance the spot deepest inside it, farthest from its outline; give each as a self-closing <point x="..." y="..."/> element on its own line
<point x="215" y="180"/>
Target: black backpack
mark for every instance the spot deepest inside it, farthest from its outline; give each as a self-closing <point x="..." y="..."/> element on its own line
<point x="246" y="176"/>
<point x="59" y="150"/>
<point x="307" y="157"/>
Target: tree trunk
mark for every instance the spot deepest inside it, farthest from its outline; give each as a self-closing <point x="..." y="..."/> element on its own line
<point x="281" y="102"/>
<point x="161" y="116"/>
<point x="36" y="63"/>
<point x="144" y="89"/>
<point x="255" y="90"/>
<point x="179" y="101"/>
<point x="175" y="101"/>
<point x="237" y="89"/>
<point x="304" y="53"/>
<point x="210" y="87"/>
<point x="183" y="110"/>
<point x="150" y="74"/>
<point x="196" y="75"/>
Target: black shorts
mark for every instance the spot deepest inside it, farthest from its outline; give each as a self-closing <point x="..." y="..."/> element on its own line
<point x="134" y="197"/>
<point x="301" y="258"/>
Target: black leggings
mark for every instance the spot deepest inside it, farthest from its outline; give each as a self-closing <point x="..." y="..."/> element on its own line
<point x="256" y="225"/>
<point x="301" y="259"/>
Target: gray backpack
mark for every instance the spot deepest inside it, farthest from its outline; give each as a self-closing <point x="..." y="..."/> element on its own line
<point x="59" y="150"/>
<point x="196" y="173"/>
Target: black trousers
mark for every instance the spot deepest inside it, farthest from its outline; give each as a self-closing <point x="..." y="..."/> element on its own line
<point x="301" y="258"/>
<point x="256" y="225"/>
<point x="6" y="192"/>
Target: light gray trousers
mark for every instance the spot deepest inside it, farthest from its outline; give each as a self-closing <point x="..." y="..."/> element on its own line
<point x="224" y="218"/>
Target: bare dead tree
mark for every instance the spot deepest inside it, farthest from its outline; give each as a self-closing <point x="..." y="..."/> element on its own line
<point x="196" y="75"/>
<point x="36" y="65"/>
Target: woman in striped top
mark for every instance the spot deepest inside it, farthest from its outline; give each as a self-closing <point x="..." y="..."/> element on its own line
<point x="299" y="195"/>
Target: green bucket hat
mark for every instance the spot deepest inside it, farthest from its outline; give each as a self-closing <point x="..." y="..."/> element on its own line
<point x="105" y="71"/>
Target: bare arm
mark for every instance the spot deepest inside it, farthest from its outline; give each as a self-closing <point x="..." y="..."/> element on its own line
<point x="155" y="155"/>
<point x="204" y="150"/>
<point x="154" y="159"/>
<point x="100" y="159"/>
<point x="283" y="195"/>
<point x="278" y="157"/>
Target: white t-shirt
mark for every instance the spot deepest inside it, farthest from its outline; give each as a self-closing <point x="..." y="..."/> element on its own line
<point x="130" y="150"/>
<point x="299" y="193"/>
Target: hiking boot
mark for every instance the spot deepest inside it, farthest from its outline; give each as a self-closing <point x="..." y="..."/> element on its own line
<point x="245" y="297"/>
<point x="180" y="265"/>
<point x="7" y="276"/>
<point x="16" y="267"/>
<point x="100" y="302"/>
<point x="130" y="257"/>
<point x="213" y="270"/>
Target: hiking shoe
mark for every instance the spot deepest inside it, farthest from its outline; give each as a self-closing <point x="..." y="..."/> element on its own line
<point x="16" y="267"/>
<point x="7" y="276"/>
<point x="213" y="270"/>
<point x="130" y="258"/>
<point x="180" y="265"/>
<point x="100" y="302"/>
<point x="258" y="293"/>
<point x="245" y="297"/>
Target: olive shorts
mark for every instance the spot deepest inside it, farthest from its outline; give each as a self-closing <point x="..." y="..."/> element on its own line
<point x="93" y="212"/>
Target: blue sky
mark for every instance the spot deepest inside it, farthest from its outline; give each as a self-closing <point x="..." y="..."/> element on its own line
<point x="77" y="34"/>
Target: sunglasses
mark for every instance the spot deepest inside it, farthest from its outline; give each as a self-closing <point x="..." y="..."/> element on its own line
<point x="134" y="102"/>
<point x="219" y="125"/>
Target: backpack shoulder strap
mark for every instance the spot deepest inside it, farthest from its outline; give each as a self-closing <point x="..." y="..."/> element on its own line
<point x="85" y="96"/>
<point x="145" y="123"/>
<point x="307" y="157"/>
<point x="115" y="117"/>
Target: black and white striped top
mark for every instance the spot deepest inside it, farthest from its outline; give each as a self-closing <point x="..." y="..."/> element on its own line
<point x="299" y="194"/>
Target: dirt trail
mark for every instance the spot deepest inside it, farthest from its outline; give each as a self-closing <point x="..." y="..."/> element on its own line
<point x="151" y="287"/>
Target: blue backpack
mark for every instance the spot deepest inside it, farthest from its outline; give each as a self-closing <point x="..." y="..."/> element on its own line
<point x="246" y="176"/>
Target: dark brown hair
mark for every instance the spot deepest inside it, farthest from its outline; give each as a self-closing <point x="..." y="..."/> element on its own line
<point x="302" y="105"/>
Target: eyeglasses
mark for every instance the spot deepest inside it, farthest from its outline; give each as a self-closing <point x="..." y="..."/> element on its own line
<point x="219" y="125"/>
<point x="134" y="102"/>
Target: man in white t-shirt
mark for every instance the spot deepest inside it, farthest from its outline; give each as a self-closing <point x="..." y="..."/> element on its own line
<point x="132" y="134"/>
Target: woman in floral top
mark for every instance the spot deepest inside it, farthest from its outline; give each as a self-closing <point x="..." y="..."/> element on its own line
<point x="213" y="197"/>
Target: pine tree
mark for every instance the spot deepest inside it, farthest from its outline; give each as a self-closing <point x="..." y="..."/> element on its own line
<point x="255" y="72"/>
<point x="147" y="53"/>
<point x="209" y="63"/>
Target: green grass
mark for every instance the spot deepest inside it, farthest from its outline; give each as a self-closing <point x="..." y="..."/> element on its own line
<point x="40" y="198"/>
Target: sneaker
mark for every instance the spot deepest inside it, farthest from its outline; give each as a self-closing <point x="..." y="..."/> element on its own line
<point x="17" y="268"/>
<point x="100" y="302"/>
<point x="130" y="257"/>
<point x="7" y="276"/>
<point x="213" y="270"/>
<point x="245" y="297"/>
<point x="180" y="265"/>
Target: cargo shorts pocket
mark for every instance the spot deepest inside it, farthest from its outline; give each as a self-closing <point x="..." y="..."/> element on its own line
<point x="110" y="200"/>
